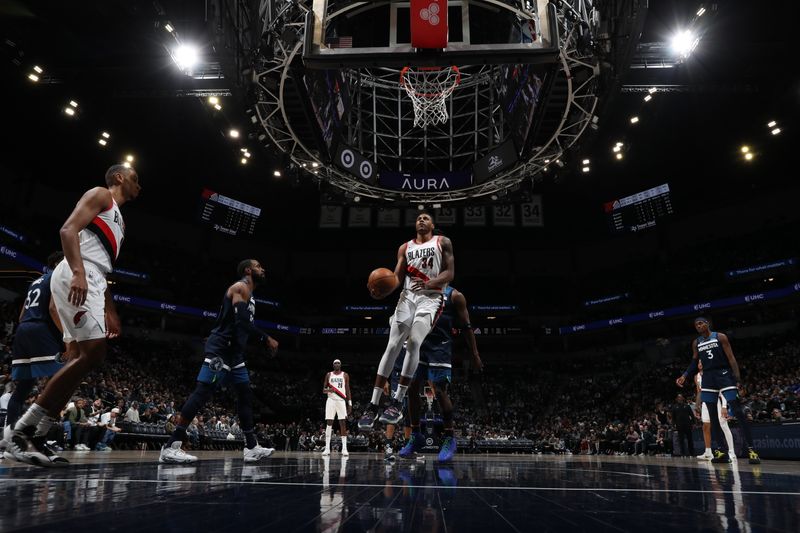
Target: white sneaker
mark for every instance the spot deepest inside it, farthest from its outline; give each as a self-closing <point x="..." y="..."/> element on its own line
<point x="326" y="452"/>
<point x="7" y="432"/>
<point x="706" y="456"/>
<point x="174" y="454"/>
<point x="251" y="455"/>
<point x="345" y="453"/>
<point x="82" y="448"/>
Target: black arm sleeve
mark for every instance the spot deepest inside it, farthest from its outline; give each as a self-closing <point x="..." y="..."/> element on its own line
<point x="692" y="369"/>
<point x="243" y="321"/>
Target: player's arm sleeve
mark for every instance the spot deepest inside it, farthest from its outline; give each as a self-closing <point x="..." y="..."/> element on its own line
<point x="243" y="321"/>
<point x="691" y="370"/>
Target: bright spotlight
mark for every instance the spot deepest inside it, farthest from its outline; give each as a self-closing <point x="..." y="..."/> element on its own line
<point x="314" y="164"/>
<point x="648" y="98"/>
<point x="684" y="43"/>
<point x="129" y="158"/>
<point x="619" y="156"/>
<point x="772" y="124"/>
<point x="585" y="161"/>
<point x="126" y="164"/>
<point x="651" y="90"/>
<point x="169" y="27"/>
<point x="247" y="155"/>
<point x="186" y="57"/>
<point x="244" y="160"/>
<point x="38" y="69"/>
<point x="276" y="173"/>
<point x="748" y="156"/>
<point x="73" y="103"/>
<point x="218" y="107"/>
<point x="745" y="149"/>
<point x="701" y="11"/>
<point x="33" y="77"/>
<point x="585" y="169"/>
<point x="102" y="142"/>
<point x="69" y="111"/>
<point x="634" y="120"/>
<point x="234" y="134"/>
<point x="776" y="131"/>
<point x="616" y="149"/>
<point x="546" y="161"/>
<point x="106" y="135"/>
<point x="213" y="100"/>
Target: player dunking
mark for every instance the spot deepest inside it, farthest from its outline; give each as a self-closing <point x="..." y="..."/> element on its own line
<point x="425" y="265"/>
<point x="705" y="417"/>
<point x="36" y="352"/>
<point x="224" y="364"/>
<point x="339" y="404"/>
<point x="720" y="376"/>
<point x="91" y="239"/>
<point x="437" y="354"/>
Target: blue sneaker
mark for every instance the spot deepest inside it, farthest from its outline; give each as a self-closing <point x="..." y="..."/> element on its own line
<point x="447" y="476"/>
<point x="448" y="450"/>
<point x="367" y="420"/>
<point x="413" y="445"/>
<point x="393" y="414"/>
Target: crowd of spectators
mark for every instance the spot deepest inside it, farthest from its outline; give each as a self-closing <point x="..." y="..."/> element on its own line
<point x="620" y="404"/>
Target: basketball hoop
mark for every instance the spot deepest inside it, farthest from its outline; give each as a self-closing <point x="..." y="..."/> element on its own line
<point x="428" y="88"/>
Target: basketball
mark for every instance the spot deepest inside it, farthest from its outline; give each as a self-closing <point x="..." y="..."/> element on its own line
<point x="381" y="283"/>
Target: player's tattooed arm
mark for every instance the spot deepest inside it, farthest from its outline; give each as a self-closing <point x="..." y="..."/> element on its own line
<point x="448" y="271"/>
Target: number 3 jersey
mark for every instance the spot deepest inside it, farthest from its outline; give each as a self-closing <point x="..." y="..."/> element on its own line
<point x="711" y="353"/>
<point x="423" y="262"/>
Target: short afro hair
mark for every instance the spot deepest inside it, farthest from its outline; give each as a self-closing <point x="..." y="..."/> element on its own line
<point x="116" y="169"/>
<point x="244" y="265"/>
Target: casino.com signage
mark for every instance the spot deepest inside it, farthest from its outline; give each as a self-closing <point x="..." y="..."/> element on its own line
<point x="425" y="181"/>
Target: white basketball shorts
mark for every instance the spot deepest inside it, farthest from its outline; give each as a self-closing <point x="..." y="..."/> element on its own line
<point x="88" y="321"/>
<point x="418" y="306"/>
<point x="334" y="408"/>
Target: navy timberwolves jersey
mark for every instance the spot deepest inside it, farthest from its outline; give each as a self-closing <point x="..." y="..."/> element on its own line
<point x="37" y="305"/>
<point x="226" y="339"/>
<point x="711" y="353"/>
<point x="438" y="345"/>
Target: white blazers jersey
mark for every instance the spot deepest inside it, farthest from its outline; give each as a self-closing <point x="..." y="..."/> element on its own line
<point x="423" y="261"/>
<point x="336" y="381"/>
<point x="101" y="240"/>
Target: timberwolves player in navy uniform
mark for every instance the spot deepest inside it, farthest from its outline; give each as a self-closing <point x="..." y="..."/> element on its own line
<point x="224" y="364"/>
<point x="36" y="352"/>
<point x="436" y="356"/>
<point x="720" y="376"/>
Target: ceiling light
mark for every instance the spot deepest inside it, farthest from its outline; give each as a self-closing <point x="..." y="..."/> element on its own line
<point x="73" y="103"/>
<point x="69" y="111"/>
<point x="546" y="161"/>
<point x="186" y="57"/>
<point x="33" y="77"/>
<point x="619" y="156"/>
<point x="247" y="155"/>
<point x="126" y="164"/>
<point x="129" y="158"/>
<point x="303" y="165"/>
<point x="367" y="318"/>
<point x="244" y="160"/>
<point x="616" y="149"/>
<point x="213" y="100"/>
<point x="776" y="131"/>
<point x="647" y="98"/>
<point x="218" y="107"/>
<point x="701" y="11"/>
<point x="585" y="161"/>
<point x="651" y="90"/>
<point x="634" y="120"/>
<point x="357" y="199"/>
<point x="234" y="134"/>
<point x="38" y="69"/>
<point x="490" y="317"/>
<point x="748" y="156"/>
<point x="683" y="43"/>
<point x="102" y="142"/>
<point x="169" y="27"/>
<point x="242" y="150"/>
<point x="772" y="124"/>
<point x="618" y="143"/>
<point x="745" y="149"/>
<point x="276" y="173"/>
<point x="314" y="164"/>
<point x="105" y="135"/>
<point x="585" y="169"/>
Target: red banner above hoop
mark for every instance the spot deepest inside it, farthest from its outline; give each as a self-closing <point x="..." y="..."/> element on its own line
<point x="429" y="23"/>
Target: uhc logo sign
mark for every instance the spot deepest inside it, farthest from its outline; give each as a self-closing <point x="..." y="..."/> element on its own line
<point x="754" y="297"/>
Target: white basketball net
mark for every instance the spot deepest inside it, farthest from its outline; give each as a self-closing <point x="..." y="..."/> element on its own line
<point x="428" y="88"/>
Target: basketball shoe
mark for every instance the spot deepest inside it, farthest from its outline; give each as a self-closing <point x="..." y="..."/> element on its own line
<point x="174" y="454"/>
<point x="251" y="455"/>
<point x="448" y="450"/>
<point x="367" y="420"/>
<point x="707" y="455"/>
<point x="393" y="413"/>
<point x="752" y="457"/>
<point x="413" y="445"/>
<point x="721" y="457"/>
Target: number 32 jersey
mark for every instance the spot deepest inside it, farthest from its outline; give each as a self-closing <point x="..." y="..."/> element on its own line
<point x="423" y="261"/>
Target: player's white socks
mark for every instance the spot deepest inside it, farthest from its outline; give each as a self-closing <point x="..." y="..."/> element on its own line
<point x="44" y="426"/>
<point x="344" y="443"/>
<point x="377" y="392"/>
<point x="328" y="431"/>
<point x="708" y="451"/>
<point x="400" y="393"/>
<point x="32" y="417"/>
